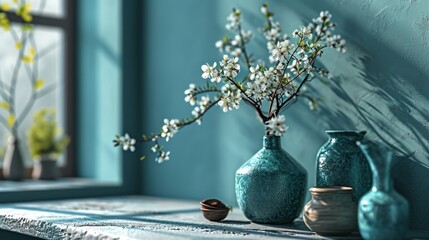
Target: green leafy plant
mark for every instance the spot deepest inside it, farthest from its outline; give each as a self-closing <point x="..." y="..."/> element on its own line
<point x="44" y="135"/>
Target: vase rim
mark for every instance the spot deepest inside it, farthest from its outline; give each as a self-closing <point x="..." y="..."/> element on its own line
<point x="345" y="133"/>
<point x="336" y="189"/>
<point x="271" y="136"/>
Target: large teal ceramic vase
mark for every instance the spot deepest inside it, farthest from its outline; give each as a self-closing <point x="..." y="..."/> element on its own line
<point x="271" y="185"/>
<point x="383" y="213"/>
<point x="340" y="162"/>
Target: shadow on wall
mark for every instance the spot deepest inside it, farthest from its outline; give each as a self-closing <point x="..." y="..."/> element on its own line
<point x="386" y="112"/>
<point x="382" y="88"/>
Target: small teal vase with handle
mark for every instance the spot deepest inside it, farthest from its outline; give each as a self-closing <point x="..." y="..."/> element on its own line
<point x="271" y="186"/>
<point x="383" y="213"/>
<point x="341" y="163"/>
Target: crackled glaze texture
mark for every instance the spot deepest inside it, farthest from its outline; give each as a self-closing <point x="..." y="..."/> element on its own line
<point x="383" y="213"/>
<point x="271" y="185"/>
<point x="340" y="162"/>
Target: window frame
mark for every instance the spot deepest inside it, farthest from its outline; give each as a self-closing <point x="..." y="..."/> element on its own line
<point x="131" y="22"/>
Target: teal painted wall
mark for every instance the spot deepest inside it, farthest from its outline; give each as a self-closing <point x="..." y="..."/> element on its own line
<point x="381" y="85"/>
<point x="99" y="82"/>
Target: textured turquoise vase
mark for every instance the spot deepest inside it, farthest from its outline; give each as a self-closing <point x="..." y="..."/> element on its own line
<point x="271" y="185"/>
<point x="340" y="162"/>
<point x="383" y="213"/>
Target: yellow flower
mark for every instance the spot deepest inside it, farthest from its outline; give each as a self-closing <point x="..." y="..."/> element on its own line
<point x="18" y="45"/>
<point x="5" y="7"/>
<point x="11" y="120"/>
<point x="39" y="84"/>
<point x="32" y="51"/>
<point x="24" y="12"/>
<point x="27" y="59"/>
<point x="4" y="105"/>
<point x="4" y="22"/>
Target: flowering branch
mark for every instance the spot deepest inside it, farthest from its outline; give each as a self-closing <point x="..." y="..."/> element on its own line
<point x="277" y="84"/>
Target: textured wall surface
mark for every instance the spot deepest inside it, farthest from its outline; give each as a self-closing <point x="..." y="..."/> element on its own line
<point x="380" y="85"/>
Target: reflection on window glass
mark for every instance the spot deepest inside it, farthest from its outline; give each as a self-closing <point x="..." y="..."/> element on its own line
<point x="51" y="8"/>
<point x="48" y="47"/>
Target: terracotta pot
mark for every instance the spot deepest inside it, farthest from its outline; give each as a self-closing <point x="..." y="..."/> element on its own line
<point x="45" y="169"/>
<point x="331" y="211"/>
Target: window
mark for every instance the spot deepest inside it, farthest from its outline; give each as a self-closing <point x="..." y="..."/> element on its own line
<point x="100" y="94"/>
<point x="52" y="40"/>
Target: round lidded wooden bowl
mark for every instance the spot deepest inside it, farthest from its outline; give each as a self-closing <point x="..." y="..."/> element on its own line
<point x="214" y="210"/>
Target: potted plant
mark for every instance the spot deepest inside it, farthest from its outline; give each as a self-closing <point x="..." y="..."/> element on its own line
<point x="46" y="144"/>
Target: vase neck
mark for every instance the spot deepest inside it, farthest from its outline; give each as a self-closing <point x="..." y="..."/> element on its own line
<point x="382" y="181"/>
<point x="337" y="135"/>
<point x="272" y="142"/>
<point x="380" y="161"/>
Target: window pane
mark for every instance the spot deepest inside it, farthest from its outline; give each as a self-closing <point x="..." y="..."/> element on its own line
<point x="52" y="8"/>
<point x="47" y="66"/>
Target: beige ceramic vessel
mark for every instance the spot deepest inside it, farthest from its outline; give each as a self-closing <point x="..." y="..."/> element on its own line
<point x="331" y="211"/>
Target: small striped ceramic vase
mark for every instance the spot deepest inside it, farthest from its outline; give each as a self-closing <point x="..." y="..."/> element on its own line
<point x="331" y="211"/>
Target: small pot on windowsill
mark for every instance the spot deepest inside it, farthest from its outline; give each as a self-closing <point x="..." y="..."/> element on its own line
<point x="46" y="168"/>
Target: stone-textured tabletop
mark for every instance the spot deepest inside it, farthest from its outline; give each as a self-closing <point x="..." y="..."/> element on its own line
<point x="138" y="217"/>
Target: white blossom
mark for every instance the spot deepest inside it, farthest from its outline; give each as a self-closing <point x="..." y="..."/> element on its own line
<point x="226" y="88"/>
<point x="264" y="9"/>
<point x="233" y="20"/>
<point x="236" y="41"/>
<point x="254" y="90"/>
<point x="236" y="52"/>
<point x="190" y="94"/>
<point x="224" y="61"/>
<point x="154" y="148"/>
<point x="282" y="50"/>
<point x="127" y="142"/>
<point x="230" y="101"/>
<point x="275" y="126"/>
<point x="163" y="156"/>
<point x="219" y="44"/>
<point x="325" y="16"/>
<point x="295" y="67"/>
<point x="253" y="72"/>
<point x="169" y="128"/>
<point x="215" y="75"/>
<point x="273" y="34"/>
<point x="207" y="70"/>
<point x="204" y="102"/>
<point x="295" y="33"/>
<point x="230" y="66"/>
<point x="247" y="35"/>
<point x="196" y="113"/>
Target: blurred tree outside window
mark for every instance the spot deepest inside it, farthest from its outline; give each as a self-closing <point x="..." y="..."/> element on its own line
<point x="52" y="29"/>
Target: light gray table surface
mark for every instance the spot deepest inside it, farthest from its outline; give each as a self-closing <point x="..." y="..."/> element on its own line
<point x="140" y="217"/>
